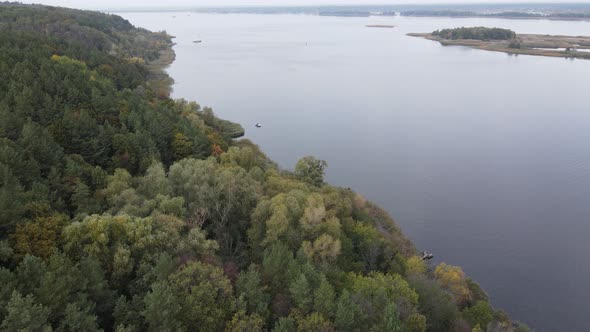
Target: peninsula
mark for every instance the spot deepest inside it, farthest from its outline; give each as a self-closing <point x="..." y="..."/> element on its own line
<point x="507" y="41"/>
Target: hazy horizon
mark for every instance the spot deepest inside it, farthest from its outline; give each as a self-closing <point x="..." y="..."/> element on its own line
<point x="103" y="4"/>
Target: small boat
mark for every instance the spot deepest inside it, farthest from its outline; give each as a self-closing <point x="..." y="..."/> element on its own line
<point x="197" y="41"/>
<point x="258" y="125"/>
<point x="426" y="255"/>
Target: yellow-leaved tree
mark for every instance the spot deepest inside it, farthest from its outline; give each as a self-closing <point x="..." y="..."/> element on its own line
<point x="452" y="278"/>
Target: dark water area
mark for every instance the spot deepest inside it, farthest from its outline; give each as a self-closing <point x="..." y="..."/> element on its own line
<point x="482" y="158"/>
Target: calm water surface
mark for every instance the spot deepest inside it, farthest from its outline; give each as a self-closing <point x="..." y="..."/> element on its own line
<point x="481" y="157"/>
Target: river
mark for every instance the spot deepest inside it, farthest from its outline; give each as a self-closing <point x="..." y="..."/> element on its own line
<point x="482" y="158"/>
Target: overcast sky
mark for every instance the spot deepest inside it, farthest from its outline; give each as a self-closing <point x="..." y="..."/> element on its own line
<point x="101" y="4"/>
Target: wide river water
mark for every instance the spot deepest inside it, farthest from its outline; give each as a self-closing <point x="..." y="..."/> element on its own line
<point x="482" y="158"/>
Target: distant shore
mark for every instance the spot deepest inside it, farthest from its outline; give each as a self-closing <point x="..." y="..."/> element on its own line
<point x="384" y="26"/>
<point x="505" y="17"/>
<point x="527" y="44"/>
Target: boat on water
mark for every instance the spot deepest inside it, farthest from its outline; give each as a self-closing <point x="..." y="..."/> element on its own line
<point x="426" y="255"/>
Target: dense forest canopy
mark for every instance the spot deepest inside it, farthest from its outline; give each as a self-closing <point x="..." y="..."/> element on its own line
<point x="124" y="210"/>
<point x="478" y="33"/>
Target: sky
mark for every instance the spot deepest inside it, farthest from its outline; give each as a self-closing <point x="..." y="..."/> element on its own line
<point x="102" y="4"/>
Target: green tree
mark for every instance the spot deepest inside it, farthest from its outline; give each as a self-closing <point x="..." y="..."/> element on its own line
<point x="276" y="262"/>
<point x="245" y="323"/>
<point x="8" y="284"/>
<point x="155" y="182"/>
<point x="479" y="314"/>
<point x="436" y="304"/>
<point x="249" y="287"/>
<point x="78" y="318"/>
<point x="182" y="146"/>
<point x="415" y="323"/>
<point x="315" y="322"/>
<point x="205" y="296"/>
<point x="12" y="199"/>
<point x="302" y="293"/>
<point x="415" y="265"/>
<point x="324" y="299"/>
<point x="391" y="321"/>
<point x="40" y="146"/>
<point x="162" y="308"/>
<point x="83" y="201"/>
<point x="23" y="314"/>
<point x="349" y="315"/>
<point x="285" y="324"/>
<point x="311" y="170"/>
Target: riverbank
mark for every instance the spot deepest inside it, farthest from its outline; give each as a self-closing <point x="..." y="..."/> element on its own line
<point x="527" y="44"/>
<point x="159" y="80"/>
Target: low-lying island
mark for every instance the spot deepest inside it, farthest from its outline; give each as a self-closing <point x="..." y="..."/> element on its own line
<point x="507" y="41"/>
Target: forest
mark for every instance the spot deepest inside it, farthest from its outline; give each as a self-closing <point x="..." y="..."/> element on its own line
<point x="122" y="209"/>
<point x="477" y="33"/>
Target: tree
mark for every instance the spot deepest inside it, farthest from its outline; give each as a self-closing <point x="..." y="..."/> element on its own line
<point x="40" y="236"/>
<point x="453" y="279"/>
<point x="376" y="291"/>
<point x="436" y="304"/>
<point x="415" y="265"/>
<point x="154" y="182"/>
<point x="324" y="249"/>
<point x="479" y="314"/>
<point x="311" y="170"/>
<point x="521" y="327"/>
<point x="216" y="150"/>
<point x="285" y="324"/>
<point x="162" y="308"/>
<point x="82" y="199"/>
<point x="477" y="294"/>
<point x="324" y="297"/>
<point x="182" y="146"/>
<point x="315" y="322"/>
<point x="8" y="284"/>
<point x="205" y="296"/>
<point x="415" y="323"/>
<point x="313" y="215"/>
<point x="23" y="314"/>
<point x="39" y="145"/>
<point x="302" y="293"/>
<point x="391" y="321"/>
<point x="349" y="315"/>
<point x="249" y="287"/>
<point x="11" y="199"/>
<point x="245" y="323"/>
<point x="276" y="261"/>
<point x="79" y="318"/>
